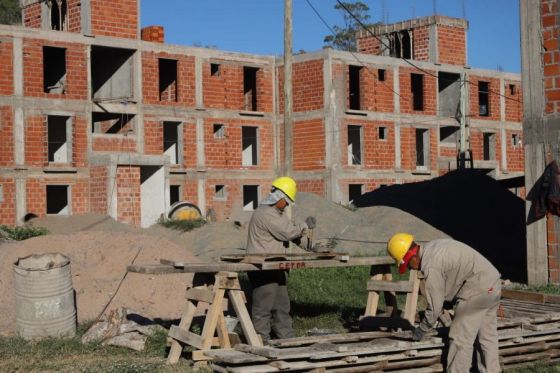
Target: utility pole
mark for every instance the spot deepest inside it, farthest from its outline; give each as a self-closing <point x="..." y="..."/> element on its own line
<point x="288" y="120"/>
<point x="465" y="154"/>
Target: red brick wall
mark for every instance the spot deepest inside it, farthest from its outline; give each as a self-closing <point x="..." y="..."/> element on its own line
<point x="312" y="186"/>
<point x="76" y="72"/>
<point x="421" y="43"/>
<point x="74" y="15"/>
<point x="552" y="229"/>
<point x="98" y="189"/>
<point x="430" y="92"/>
<point x="35" y="141"/>
<point x="6" y="67"/>
<point x="79" y="196"/>
<point x="185" y="79"/>
<point x="514" y="101"/>
<point x="223" y="208"/>
<point x="117" y="144"/>
<point x="114" y="18"/>
<point x="36" y="197"/>
<point x="369" y="184"/>
<point x="376" y="95"/>
<point x="6" y="136"/>
<point x="309" y="145"/>
<point x="7" y="206"/>
<point x="369" y="45"/>
<point x="224" y="90"/>
<point x="226" y="152"/>
<point x="515" y="154"/>
<point x="153" y="137"/>
<point x="153" y="33"/>
<point x="377" y="154"/>
<point x="452" y="45"/>
<point x="32" y="15"/>
<point x="551" y="54"/>
<point x="128" y="195"/>
<point x="493" y="97"/>
<point x="408" y="148"/>
<point x="79" y="142"/>
<point x="307" y="86"/>
<point x="477" y="145"/>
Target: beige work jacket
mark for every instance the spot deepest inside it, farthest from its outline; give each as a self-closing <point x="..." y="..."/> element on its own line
<point x="269" y="228"/>
<point x="452" y="271"/>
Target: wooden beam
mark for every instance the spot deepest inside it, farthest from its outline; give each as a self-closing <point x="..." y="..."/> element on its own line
<point x="186" y="337"/>
<point x="185" y="324"/>
<point x="397" y="286"/>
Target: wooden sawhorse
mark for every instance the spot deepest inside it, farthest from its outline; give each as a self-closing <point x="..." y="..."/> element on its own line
<point x="382" y="280"/>
<point x="211" y="296"/>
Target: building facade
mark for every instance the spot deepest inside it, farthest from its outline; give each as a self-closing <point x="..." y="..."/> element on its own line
<point x="98" y="115"/>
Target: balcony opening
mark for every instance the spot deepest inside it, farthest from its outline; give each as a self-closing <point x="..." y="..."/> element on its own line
<point x="422" y="148"/>
<point x="171" y="139"/>
<point x="400" y="44"/>
<point x="111" y="73"/>
<point x="354" y="191"/>
<point x="449" y="94"/>
<point x="58" y="134"/>
<point x="57" y="200"/>
<point x="250" y="88"/>
<point x="167" y="80"/>
<point x="354" y="87"/>
<point x="113" y="123"/>
<point x="354" y="145"/>
<point x="417" y="89"/>
<point x="249" y="140"/>
<point x="58" y="14"/>
<point x="250" y="197"/>
<point x="483" y="102"/>
<point x="489" y="146"/>
<point x="54" y="70"/>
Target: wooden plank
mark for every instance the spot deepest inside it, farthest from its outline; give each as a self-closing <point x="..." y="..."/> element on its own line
<point x="412" y="298"/>
<point x="211" y="321"/>
<point x="200" y="295"/>
<point x="373" y="296"/>
<point x="523" y="295"/>
<point x="233" y="356"/>
<point x="391" y="305"/>
<point x="223" y="336"/>
<point x="268" y="352"/>
<point x="185" y="336"/>
<point x="185" y="324"/>
<point x="153" y="269"/>
<point x="383" y="285"/>
<point x="238" y="303"/>
<point x="333" y="338"/>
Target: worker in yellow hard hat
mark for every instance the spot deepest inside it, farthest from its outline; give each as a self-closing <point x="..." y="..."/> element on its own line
<point x="454" y="272"/>
<point x="269" y="230"/>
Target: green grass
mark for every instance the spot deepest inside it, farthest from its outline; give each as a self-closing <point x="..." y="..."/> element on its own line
<point x="22" y="233"/>
<point x="183" y="225"/>
<point x="548" y="289"/>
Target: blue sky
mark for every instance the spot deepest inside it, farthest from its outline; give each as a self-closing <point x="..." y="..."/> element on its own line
<point x="256" y="26"/>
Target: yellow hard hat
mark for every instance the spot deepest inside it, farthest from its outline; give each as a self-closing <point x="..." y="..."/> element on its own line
<point x="398" y="246"/>
<point x="287" y="185"/>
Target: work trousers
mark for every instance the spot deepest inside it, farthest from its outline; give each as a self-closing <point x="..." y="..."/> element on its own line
<point x="271" y="304"/>
<point x="475" y="322"/>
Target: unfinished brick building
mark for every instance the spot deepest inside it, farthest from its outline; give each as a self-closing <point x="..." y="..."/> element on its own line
<point x="97" y="115"/>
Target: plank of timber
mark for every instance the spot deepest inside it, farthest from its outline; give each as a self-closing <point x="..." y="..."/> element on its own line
<point x="268" y="352"/>
<point x="185" y="324"/>
<point x="211" y="321"/>
<point x="523" y="295"/>
<point x="186" y="337"/>
<point x="153" y="269"/>
<point x="373" y="297"/>
<point x="200" y="295"/>
<point x="333" y="338"/>
<point x="412" y="297"/>
<point x="398" y="286"/>
<point x="237" y="300"/>
<point x="223" y="336"/>
<point x="234" y="356"/>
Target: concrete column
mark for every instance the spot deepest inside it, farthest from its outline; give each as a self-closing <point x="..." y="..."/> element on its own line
<point x="199" y="98"/>
<point x="19" y="136"/>
<point x="202" y="195"/>
<point x="397" y="106"/>
<point x="433" y="44"/>
<point x="503" y="134"/>
<point x="21" y="199"/>
<point x="112" y="190"/>
<point x="139" y="118"/>
<point x="86" y="16"/>
<point x="200" y="155"/>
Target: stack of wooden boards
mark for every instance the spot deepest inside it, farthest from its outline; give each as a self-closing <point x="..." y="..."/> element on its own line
<point x="528" y="332"/>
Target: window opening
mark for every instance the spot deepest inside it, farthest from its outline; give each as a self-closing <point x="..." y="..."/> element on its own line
<point x="354" y="191"/>
<point x="59" y="11"/>
<point x="215" y="69"/>
<point x="171" y="137"/>
<point x="250" y="197"/>
<point x="448" y="135"/>
<point x="417" y="89"/>
<point x="422" y="148"/>
<point x="174" y="194"/>
<point x="449" y="94"/>
<point x="354" y="145"/>
<point x="514" y="140"/>
<point x="382" y="133"/>
<point x="489" y="146"/>
<point x="381" y="75"/>
<point x="113" y="123"/>
<point x="354" y="86"/>
<point x="250" y="146"/>
<point x="57" y="200"/>
<point x="219" y="131"/>
<point x="167" y="80"/>
<point x="400" y="44"/>
<point x="54" y="70"/>
<point x="483" y="103"/>
<point x="111" y="73"/>
<point x="250" y="88"/>
<point x="58" y="146"/>
<point x="219" y="191"/>
<point x="512" y="89"/>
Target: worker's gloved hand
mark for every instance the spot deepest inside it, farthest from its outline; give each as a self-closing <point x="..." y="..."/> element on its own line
<point x="311" y="222"/>
<point x="417" y="334"/>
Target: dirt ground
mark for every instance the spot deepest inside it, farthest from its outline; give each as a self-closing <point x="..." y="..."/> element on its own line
<point x="100" y="250"/>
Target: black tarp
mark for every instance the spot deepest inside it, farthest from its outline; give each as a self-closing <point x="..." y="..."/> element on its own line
<point x="470" y="207"/>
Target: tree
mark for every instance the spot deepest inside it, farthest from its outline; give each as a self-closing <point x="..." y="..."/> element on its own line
<point x="10" y="12"/>
<point x="345" y="37"/>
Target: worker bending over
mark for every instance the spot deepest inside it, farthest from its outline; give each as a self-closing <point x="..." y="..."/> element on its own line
<point x="269" y="230"/>
<point x="454" y="272"/>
